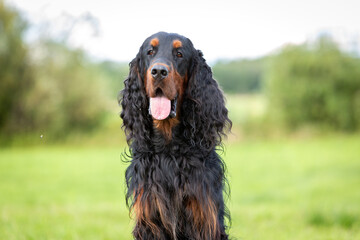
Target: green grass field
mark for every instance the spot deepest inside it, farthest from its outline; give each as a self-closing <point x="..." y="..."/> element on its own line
<point x="280" y="189"/>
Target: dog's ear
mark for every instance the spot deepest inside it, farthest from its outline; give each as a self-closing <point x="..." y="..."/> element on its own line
<point x="134" y="104"/>
<point x="204" y="108"/>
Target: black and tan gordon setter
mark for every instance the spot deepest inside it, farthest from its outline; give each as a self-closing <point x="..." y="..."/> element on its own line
<point x="174" y="118"/>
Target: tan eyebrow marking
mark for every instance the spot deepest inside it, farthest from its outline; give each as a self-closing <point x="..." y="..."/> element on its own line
<point x="177" y="43"/>
<point x="154" y="42"/>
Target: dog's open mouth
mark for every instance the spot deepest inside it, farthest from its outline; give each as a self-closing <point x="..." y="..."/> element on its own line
<point x="161" y="107"/>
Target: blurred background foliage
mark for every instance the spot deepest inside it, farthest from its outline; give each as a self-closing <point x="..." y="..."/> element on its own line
<point x="16" y="73"/>
<point x="315" y="83"/>
<point x="48" y="87"/>
<point x="241" y="76"/>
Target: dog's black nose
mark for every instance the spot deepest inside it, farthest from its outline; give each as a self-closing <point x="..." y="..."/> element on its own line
<point x="159" y="72"/>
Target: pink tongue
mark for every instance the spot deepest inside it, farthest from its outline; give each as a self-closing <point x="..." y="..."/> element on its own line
<point x="160" y="107"/>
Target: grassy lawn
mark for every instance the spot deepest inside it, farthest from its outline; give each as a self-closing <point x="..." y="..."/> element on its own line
<point x="296" y="189"/>
<point x="284" y="189"/>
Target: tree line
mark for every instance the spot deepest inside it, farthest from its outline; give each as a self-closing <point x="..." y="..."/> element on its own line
<point x="49" y="86"/>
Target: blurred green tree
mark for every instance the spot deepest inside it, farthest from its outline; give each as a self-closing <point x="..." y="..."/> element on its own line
<point x="315" y="83"/>
<point x="70" y="91"/>
<point x="15" y="71"/>
<point x="48" y="87"/>
<point x="240" y="76"/>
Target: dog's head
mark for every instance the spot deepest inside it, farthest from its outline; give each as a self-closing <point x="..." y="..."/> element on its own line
<point x="166" y="62"/>
<point x="169" y="83"/>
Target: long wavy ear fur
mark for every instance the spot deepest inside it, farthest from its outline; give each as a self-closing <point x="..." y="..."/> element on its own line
<point x="132" y="98"/>
<point x="204" y="107"/>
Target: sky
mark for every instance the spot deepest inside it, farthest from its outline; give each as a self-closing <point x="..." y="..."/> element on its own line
<point x="221" y="29"/>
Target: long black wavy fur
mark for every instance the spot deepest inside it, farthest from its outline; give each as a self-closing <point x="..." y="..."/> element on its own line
<point x="176" y="188"/>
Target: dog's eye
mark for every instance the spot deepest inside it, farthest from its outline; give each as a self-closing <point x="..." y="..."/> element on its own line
<point x="150" y="52"/>
<point x="179" y="55"/>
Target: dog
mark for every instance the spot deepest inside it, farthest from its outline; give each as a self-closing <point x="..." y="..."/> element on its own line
<point x="174" y="118"/>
